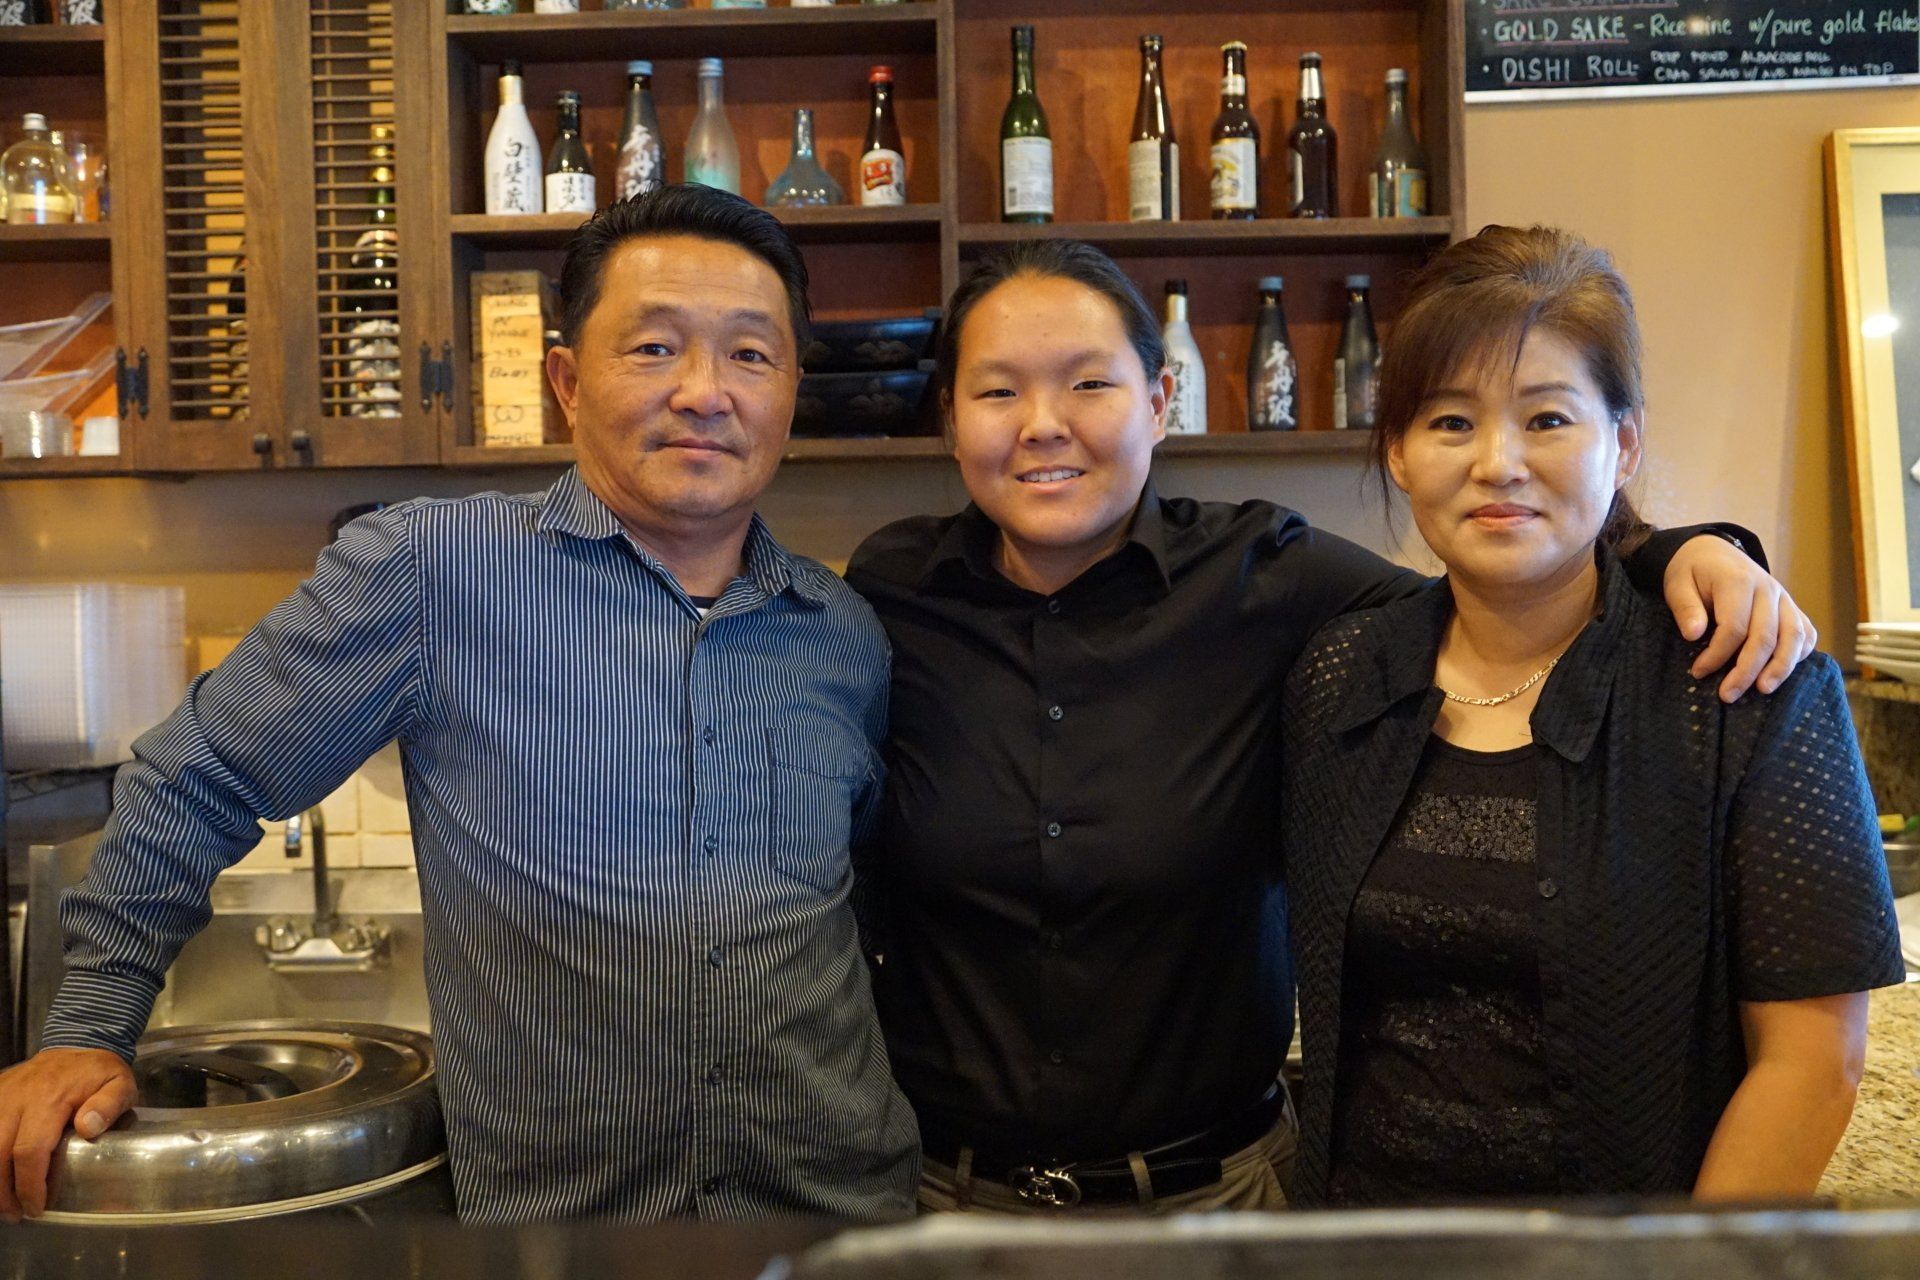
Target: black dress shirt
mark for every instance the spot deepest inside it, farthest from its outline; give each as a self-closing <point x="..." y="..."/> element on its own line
<point x="1690" y="856"/>
<point x="1076" y="886"/>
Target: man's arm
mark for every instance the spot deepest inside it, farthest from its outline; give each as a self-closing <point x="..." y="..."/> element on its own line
<point x="330" y="676"/>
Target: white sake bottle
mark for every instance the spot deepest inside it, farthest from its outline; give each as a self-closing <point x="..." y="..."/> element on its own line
<point x="1187" y="410"/>
<point x="513" y="168"/>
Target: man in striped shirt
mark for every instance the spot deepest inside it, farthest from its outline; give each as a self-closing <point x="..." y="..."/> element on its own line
<point x="639" y="736"/>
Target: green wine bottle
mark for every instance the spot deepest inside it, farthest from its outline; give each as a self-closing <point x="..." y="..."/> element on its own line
<point x="1026" y="144"/>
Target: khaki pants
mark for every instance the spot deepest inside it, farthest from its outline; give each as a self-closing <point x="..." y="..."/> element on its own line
<point x="1255" y="1177"/>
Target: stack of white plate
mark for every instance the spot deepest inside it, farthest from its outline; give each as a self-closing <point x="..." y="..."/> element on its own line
<point x="1891" y="648"/>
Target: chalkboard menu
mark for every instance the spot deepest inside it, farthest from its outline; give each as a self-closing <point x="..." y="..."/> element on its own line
<point x="1530" y="49"/>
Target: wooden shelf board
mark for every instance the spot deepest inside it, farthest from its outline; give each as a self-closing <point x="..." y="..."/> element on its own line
<point x="838" y="224"/>
<point x="30" y="468"/>
<point x="56" y="242"/>
<point x="686" y="33"/>
<point x="1261" y="236"/>
<point x="52" y="50"/>
<point x="1240" y="444"/>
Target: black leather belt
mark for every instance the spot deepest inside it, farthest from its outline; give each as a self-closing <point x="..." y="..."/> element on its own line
<point x="1177" y="1167"/>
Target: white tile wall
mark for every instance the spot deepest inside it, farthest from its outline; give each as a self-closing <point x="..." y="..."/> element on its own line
<point x="366" y="824"/>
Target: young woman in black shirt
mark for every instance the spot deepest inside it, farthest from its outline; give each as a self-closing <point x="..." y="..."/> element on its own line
<point x="1565" y="921"/>
<point x="1084" y="981"/>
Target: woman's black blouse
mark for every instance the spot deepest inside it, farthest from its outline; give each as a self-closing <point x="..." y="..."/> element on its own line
<point x="1691" y="855"/>
<point x="1442" y="1086"/>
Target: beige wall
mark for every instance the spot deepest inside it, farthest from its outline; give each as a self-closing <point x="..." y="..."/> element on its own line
<point x="1714" y="206"/>
<point x="1716" y="210"/>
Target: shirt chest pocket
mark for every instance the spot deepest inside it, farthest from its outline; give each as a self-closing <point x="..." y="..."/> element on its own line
<point x="815" y="777"/>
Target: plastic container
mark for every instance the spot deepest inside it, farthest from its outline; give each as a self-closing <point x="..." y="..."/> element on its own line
<point x="35" y="433"/>
<point x="865" y="404"/>
<point x="58" y="392"/>
<point x="87" y="668"/>
<point x="26" y="348"/>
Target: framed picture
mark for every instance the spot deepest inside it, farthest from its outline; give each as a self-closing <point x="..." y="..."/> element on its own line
<point x="1873" y="217"/>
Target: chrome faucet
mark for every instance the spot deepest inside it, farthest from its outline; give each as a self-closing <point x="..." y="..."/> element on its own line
<point x="324" y="941"/>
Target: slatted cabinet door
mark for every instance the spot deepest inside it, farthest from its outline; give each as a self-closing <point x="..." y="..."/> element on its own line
<point x="181" y="189"/>
<point x="369" y="378"/>
<point x="273" y="208"/>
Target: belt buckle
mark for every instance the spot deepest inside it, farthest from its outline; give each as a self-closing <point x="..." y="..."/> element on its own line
<point x="1054" y="1188"/>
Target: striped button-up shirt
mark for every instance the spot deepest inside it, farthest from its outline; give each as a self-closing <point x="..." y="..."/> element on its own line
<point x="632" y="824"/>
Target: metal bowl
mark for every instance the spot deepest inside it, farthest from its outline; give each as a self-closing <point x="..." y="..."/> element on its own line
<point x="257" y="1119"/>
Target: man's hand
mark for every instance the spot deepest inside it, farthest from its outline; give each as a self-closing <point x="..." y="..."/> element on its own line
<point x="1753" y="616"/>
<point x="38" y="1099"/>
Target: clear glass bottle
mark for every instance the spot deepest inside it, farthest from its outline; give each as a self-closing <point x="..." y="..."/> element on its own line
<point x="1026" y="143"/>
<point x="1153" y="155"/>
<point x="713" y="157"/>
<point x="1397" y="187"/>
<point x="513" y="152"/>
<point x="569" y="177"/>
<point x="883" y="164"/>
<point x="1356" y="370"/>
<point x="1187" y="409"/>
<point x="1273" y="375"/>
<point x="1233" y="189"/>
<point x="643" y="160"/>
<point x="33" y="171"/>
<point x="1312" y="161"/>
<point x="803" y="181"/>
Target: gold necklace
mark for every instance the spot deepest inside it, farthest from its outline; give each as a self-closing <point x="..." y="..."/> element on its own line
<point x="1511" y="694"/>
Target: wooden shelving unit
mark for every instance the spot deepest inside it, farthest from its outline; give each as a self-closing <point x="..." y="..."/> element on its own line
<point x="320" y="74"/>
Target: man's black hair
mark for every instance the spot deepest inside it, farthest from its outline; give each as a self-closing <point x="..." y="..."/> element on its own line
<point x="681" y="209"/>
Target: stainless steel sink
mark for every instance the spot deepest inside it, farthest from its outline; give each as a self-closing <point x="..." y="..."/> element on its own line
<point x="222" y="975"/>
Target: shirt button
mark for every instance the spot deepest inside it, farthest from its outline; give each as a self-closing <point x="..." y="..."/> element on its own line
<point x="1054" y="940"/>
<point x="711" y="844"/>
<point x="1053" y="606"/>
<point x="709" y="737"/>
<point x="716" y="1074"/>
<point x="713" y="1186"/>
<point x="1053" y="828"/>
<point x="1055" y="713"/>
<point x="716" y="956"/>
<point x="1548" y="888"/>
<point x="1056" y="1057"/>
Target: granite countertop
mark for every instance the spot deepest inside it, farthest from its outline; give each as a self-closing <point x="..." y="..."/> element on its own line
<point x="1880" y="1155"/>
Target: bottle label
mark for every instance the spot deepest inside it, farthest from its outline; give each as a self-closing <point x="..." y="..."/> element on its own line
<point x="1026" y="168"/>
<point x="639" y="164"/>
<point x="1274" y="409"/>
<point x="512" y="185"/>
<point x="883" y="177"/>
<point x="1236" y="181"/>
<point x="556" y="6"/>
<point x="41" y="205"/>
<point x="570" y="193"/>
<point x="1339" y="394"/>
<point x="1410" y="193"/>
<point x="1186" y="410"/>
<point x="1233" y="86"/>
<point x="1151" y="194"/>
<point x="1296" y="182"/>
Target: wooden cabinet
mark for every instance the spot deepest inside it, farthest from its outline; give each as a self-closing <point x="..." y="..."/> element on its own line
<point x="250" y="154"/>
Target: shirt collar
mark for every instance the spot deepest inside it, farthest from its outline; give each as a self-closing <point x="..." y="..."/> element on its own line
<point x="969" y="542"/>
<point x="1573" y="705"/>
<point x="570" y="507"/>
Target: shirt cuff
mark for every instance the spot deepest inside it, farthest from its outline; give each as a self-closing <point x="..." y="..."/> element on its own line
<point x="1647" y="567"/>
<point x="100" y="1011"/>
